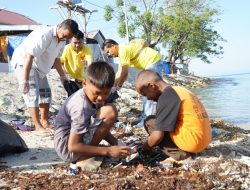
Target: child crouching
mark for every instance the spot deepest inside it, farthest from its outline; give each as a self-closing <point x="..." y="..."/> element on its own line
<point x="84" y="120"/>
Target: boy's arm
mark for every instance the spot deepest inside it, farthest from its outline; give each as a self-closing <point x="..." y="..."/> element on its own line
<point x="155" y="138"/>
<point x="75" y="145"/>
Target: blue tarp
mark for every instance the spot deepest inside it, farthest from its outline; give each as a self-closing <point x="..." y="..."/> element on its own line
<point x="14" y="41"/>
<point x="165" y="67"/>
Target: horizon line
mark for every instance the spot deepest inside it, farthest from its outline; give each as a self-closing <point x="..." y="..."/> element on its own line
<point x="229" y="74"/>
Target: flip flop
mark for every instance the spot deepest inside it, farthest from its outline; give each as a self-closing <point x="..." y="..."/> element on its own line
<point x="91" y="164"/>
<point x="24" y="128"/>
<point x="47" y="133"/>
<point x="15" y="122"/>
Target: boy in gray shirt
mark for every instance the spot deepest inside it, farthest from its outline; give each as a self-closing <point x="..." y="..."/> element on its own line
<point x="84" y="120"/>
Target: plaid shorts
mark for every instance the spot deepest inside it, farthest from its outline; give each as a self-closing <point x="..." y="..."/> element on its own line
<point x="39" y="92"/>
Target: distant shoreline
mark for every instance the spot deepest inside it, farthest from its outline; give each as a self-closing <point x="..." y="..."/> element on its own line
<point x="224" y="75"/>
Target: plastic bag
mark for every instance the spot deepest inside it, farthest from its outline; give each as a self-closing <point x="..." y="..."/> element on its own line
<point x="70" y="87"/>
<point x="10" y="140"/>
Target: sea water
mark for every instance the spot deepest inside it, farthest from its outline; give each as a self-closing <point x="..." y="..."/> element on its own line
<point x="228" y="98"/>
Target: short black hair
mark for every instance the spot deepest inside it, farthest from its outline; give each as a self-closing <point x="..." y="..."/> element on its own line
<point x="100" y="74"/>
<point x="79" y="35"/>
<point x="71" y="25"/>
<point x="108" y="43"/>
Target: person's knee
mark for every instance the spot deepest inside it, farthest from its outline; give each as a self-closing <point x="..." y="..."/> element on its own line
<point x="108" y="112"/>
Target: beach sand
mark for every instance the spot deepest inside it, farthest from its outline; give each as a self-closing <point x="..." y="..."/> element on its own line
<point x="223" y="165"/>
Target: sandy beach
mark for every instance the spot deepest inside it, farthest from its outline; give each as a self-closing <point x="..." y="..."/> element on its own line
<point x="223" y="165"/>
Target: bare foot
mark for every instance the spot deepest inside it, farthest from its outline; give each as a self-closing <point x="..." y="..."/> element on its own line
<point x="46" y="125"/>
<point x="40" y="129"/>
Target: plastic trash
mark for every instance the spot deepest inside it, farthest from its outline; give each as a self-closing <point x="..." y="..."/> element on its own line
<point x="73" y="168"/>
<point x="120" y="124"/>
<point x="213" y="132"/>
<point x="128" y="128"/>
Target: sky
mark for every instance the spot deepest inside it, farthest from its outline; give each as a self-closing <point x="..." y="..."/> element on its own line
<point x="234" y="26"/>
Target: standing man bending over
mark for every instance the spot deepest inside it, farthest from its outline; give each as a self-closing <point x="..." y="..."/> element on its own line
<point x="33" y="60"/>
<point x="134" y="55"/>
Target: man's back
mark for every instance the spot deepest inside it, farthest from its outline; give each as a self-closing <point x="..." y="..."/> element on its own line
<point x="146" y="57"/>
<point x="191" y="129"/>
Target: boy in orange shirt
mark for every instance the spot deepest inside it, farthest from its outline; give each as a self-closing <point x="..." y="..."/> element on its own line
<point x="181" y="125"/>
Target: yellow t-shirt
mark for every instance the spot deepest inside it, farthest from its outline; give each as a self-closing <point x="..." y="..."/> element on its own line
<point x="74" y="63"/>
<point x="147" y="57"/>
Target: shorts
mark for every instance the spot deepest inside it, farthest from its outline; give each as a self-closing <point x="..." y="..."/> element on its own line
<point x="86" y="139"/>
<point x="39" y="93"/>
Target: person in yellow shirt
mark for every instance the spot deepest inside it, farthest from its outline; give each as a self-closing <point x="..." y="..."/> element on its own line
<point x="75" y="58"/>
<point x="181" y="125"/>
<point x="134" y="55"/>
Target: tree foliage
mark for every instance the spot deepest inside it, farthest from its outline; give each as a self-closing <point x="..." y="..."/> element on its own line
<point x="191" y="34"/>
<point x="142" y="18"/>
<point x="185" y="27"/>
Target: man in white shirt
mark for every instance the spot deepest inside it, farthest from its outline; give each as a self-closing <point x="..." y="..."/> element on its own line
<point x="33" y="60"/>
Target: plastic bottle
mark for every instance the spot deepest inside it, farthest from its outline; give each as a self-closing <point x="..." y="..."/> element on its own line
<point x="213" y="132"/>
<point x="73" y="168"/>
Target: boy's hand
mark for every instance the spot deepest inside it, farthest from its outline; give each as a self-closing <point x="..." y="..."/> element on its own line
<point x="24" y="87"/>
<point x="119" y="151"/>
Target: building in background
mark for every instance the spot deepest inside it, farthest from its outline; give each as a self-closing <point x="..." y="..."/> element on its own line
<point x="96" y="48"/>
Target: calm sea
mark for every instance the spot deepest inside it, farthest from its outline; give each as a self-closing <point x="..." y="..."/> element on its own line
<point x="228" y="98"/>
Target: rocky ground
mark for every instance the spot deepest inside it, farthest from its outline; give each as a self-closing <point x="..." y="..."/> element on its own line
<point x="223" y="165"/>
